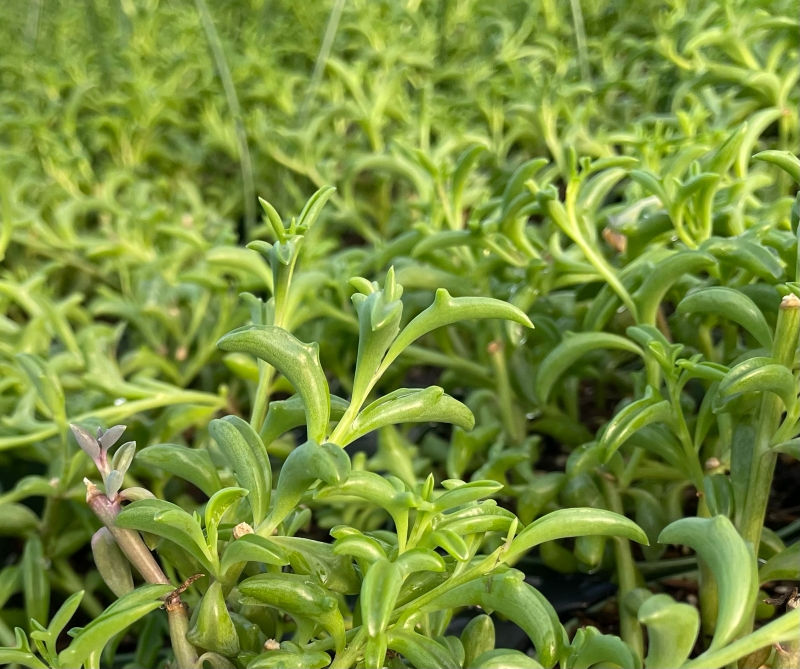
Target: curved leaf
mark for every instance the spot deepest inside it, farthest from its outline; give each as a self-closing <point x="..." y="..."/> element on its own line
<point x="193" y="465"/>
<point x="409" y="406"/>
<point x="252" y="548"/>
<point x="569" y="351"/>
<point x="447" y="310"/>
<point x="574" y="523"/>
<point x="299" y="596"/>
<point x="422" y="651"/>
<point x="731" y="304"/>
<point x="285" y="415"/>
<point x="170" y="522"/>
<point x="782" y="566"/>
<point x="748" y="377"/>
<point x="732" y="562"/>
<point x="297" y="361"/>
<point x="507" y="593"/>
<point x="672" y="629"/>
<point x="248" y="458"/>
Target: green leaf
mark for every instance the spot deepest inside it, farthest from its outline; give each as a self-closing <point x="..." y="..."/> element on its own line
<point x="379" y="593"/>
<point x="663" y="276"/>
<point x="93" y="638"/>
<point x="507" y="593"/>
<point x="462" y="169"/>
<point x="238" y="261"/>
<point x="464" y="494"/>
<point x="373" y="488"/>
<point x="423" y="652"/>
<point x="299" y="596"/>
<point x="306" y="464"/>
<point x="314" y="206"/>
<point x="574" y="523"/>
<point x="783" y="566"/>
<point x="252" y="548"/>
<point x="47" y="385"/>
<point x="732" y="562"/>
<point x="297" y="361"/>
<point x="758" y="375"/>
<point x="213" y="628"/>
<point x="248" y="458"/>
<point x="731" y="304"/>
<point x="191" y="464"/>
<point x="287" y="659"/>
<point x="569" y="351"/>
<point x="504" y="658"/>
<point x="59" y="622"/>
<point x="739" y="252"/>
<point x="419" y="559"/>
<point x="791" y="447"/>
<point x="360" y="547"/>
<point x="10" y="657"/>
<point x="17" y="520"/>
<point x="785" y="628"/>
<point x="35" y="580"/>
<point x="447" y="310"/>
<point x="787" y="161"/>
<point x="170" y="522"/>
<point x="216" y="507"/>
<point x="631" y="419"/>
<point x="672" y="629"/>
<point x="111" y="563"/>
<point x="590" y="648"/>
<point x="409" y="406"/>
<point x="318" y="560"/>
<point x="450" y="541"/>
<point x="477" y="638"/>
<point x="285" y="415"/>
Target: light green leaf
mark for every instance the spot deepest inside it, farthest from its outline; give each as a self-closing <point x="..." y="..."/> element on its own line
<point x="732" y="562"/>
<point x="447" y="310"/>
<point x="248" y="458"/>
<point x="507" y="593"/>
<point x="574" y="523"/>
<point x="170" y="522"/>
<point x="297" y="361"/>
<point x="409" y="406"/>
<point x="252" y="548"/>
<point x="191" y="464"/>
<point x="730" y="304"/>
<point x="671" y="631"/>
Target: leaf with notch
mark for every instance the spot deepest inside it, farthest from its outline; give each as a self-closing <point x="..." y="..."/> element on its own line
<point x="447" y="310"/>
<point x="410" y="406"/>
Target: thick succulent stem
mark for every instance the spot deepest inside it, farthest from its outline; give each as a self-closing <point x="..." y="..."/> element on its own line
<point x="134" y="548"/>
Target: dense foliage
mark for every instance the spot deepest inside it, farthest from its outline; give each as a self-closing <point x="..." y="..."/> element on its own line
<point x="523" y="289"/>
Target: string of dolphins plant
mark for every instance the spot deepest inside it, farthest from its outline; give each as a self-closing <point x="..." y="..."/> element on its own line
<point x="239" y="562"/>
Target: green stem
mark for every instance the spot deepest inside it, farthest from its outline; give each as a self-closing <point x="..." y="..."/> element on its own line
<point x="134" y="548"/>
<point x="630" y="630"/>
<point x="505" y="395"/>
<point x="580" y="38"/>
<point x="762" y="466"/>
<point x="233" y="105"/>
<point x="785" y="628"/>
<point x="261" y="400"/>
<point x="322" y="58"/>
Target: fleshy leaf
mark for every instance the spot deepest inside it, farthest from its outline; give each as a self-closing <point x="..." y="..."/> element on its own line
<point x="297" y="361"/>
<point x="732" y="562"/>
